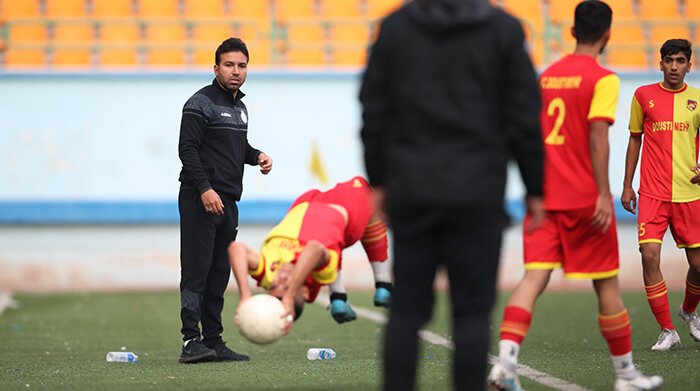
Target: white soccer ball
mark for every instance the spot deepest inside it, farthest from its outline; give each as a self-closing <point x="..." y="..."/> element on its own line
<point x="260" y="319"/>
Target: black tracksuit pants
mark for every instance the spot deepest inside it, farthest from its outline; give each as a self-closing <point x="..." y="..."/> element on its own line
<point x="467" y="241"/>
<point x="205" y="270"/>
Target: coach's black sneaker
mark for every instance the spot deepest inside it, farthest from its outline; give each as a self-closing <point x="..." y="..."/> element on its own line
<point x="194" y="351"/>
<point x="223" y="353"/>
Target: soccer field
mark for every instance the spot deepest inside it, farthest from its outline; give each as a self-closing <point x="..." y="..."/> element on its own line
<point x="60" y="342"/>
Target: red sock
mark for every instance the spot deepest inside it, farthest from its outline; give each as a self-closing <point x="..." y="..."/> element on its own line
<point x="516" y="323"/>
<point x="692" y="296"/>
<point x="617" y="332"/>
<point x="657" y="296"/>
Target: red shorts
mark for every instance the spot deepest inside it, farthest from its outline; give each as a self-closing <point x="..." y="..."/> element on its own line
<point x="566" y="239"/>
<point x="655" y="217"/>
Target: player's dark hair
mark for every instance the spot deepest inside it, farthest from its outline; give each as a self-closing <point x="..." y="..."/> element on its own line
<point x="231" y="45"/>
<point x="591" y="20"/>
<point x="676" y="45"/>
<point x="298" y="309"/>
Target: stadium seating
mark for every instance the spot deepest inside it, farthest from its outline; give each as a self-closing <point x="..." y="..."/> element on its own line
<point x="625" y="58"/>
<point x="158" y="8"/>
<point x="377" y="9"/>
<point x="341" y="9"/>
<point x="205" y="9"/>
<point x="296" y="9"/>
<point x="20" y="58"/>
<point x="659" y="10"/>
<point x="622" y="9"/>
<point x="71" y="58"/>
<point x="27" y="32"/>
<point x="108" y="9"/>
<point x="292" y="33"/>
<point x="660" y="33"/>
<point x="27" y="9"/>
<point x="120" y="58"/>
<point x="79" y="32"/>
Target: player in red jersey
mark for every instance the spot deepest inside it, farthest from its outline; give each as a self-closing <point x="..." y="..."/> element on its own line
<point x="304" y="251"/>
<point x="667" y="117"/>
<point x="579" y="99"/>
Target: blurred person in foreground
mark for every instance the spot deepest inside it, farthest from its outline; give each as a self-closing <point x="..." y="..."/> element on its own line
<point x="449" y="96"/>
<point x="579" y="99"/>
<point x="666" y="116"/>
<point x="213" y="149"/>
<point x="304" y="251"/>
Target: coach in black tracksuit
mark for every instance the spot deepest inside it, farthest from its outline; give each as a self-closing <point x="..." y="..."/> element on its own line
<point x="449" y="96"/>
<point x="213" y="149"/>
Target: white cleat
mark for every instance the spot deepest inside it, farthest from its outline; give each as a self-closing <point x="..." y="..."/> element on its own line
<point x="639" y="383"/>
<point x="503" y="380"/>
<point x="692" y="320"/>
<point x="668" y="339"/>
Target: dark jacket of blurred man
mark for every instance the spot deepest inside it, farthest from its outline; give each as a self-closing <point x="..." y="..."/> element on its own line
<point x="449" y="96"/>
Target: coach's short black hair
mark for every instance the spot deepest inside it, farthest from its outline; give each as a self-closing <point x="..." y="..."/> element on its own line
<point x="591" y="20"/>
<point x="231" y="45"/>
<point x="676" y="45"/>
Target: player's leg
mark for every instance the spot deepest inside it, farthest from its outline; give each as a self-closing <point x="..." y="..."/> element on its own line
<point x="614" y="324"/>
<point x="197" y="232"/>
<point x="687" y="311"/>
<point x="217" y="281"/>
<point x="542" y="254"/>
<point x="657" y="296"/>
<point x="415" y="249"/>
<point x="685" y="227"/>
<point x="515" y="325"/>
<point x="470" y="247"/>
<point x="374" y="241"/>
<point x="341" y="311"/>
<point x="654" y="218"/>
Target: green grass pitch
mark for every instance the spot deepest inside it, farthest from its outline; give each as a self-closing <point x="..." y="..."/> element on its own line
<point x="60" y="342"/>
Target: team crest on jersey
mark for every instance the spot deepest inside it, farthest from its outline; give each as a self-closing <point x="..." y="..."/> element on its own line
<point x="691" y="104"/>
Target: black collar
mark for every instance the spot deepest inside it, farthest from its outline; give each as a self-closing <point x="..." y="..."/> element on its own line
<point x="239" y="94"/>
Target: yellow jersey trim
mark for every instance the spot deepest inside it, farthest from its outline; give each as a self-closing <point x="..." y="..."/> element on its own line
<point x="592" y="276"/>
<point x="542" y="265"/>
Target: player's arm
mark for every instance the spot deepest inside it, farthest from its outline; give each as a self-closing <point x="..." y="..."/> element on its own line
<point x="242" y="260"/>
<point x="629" y="196"/>
<point x="312" y="257"/>
<point x="600" y="116"/>
<point x="600" y="152"/>
<point x="636" y="126"/>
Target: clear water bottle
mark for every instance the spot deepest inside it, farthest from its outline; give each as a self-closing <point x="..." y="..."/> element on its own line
<point x="122" y="357"/>
<point x="320" y="354"/>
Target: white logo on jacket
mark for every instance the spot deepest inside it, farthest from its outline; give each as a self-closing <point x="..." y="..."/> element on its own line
<point x="244" y="117"/>
<point x="225" y="115"/>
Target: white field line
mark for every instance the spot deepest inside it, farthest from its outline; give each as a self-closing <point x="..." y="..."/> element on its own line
<point x="7" y="302"/>
<point x="435" y="339"/>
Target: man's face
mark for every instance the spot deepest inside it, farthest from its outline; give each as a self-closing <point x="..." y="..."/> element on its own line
<point x="674" y="67"/>
<point x="231" y="70"/>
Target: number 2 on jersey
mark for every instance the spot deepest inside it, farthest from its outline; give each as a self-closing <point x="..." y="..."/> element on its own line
<point x="556" y="105"/>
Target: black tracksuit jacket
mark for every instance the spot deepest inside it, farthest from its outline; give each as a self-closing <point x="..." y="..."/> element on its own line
<point x="214" y="142"/>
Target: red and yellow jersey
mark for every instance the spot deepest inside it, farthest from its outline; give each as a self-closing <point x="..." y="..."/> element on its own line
<point x="575" y="91"/>
<point x="669" y="121"/>
<point x="304" y="222"/>
<point x="353" y="195"/>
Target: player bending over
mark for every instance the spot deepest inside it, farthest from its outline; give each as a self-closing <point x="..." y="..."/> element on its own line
<point x="304" y="251"/>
